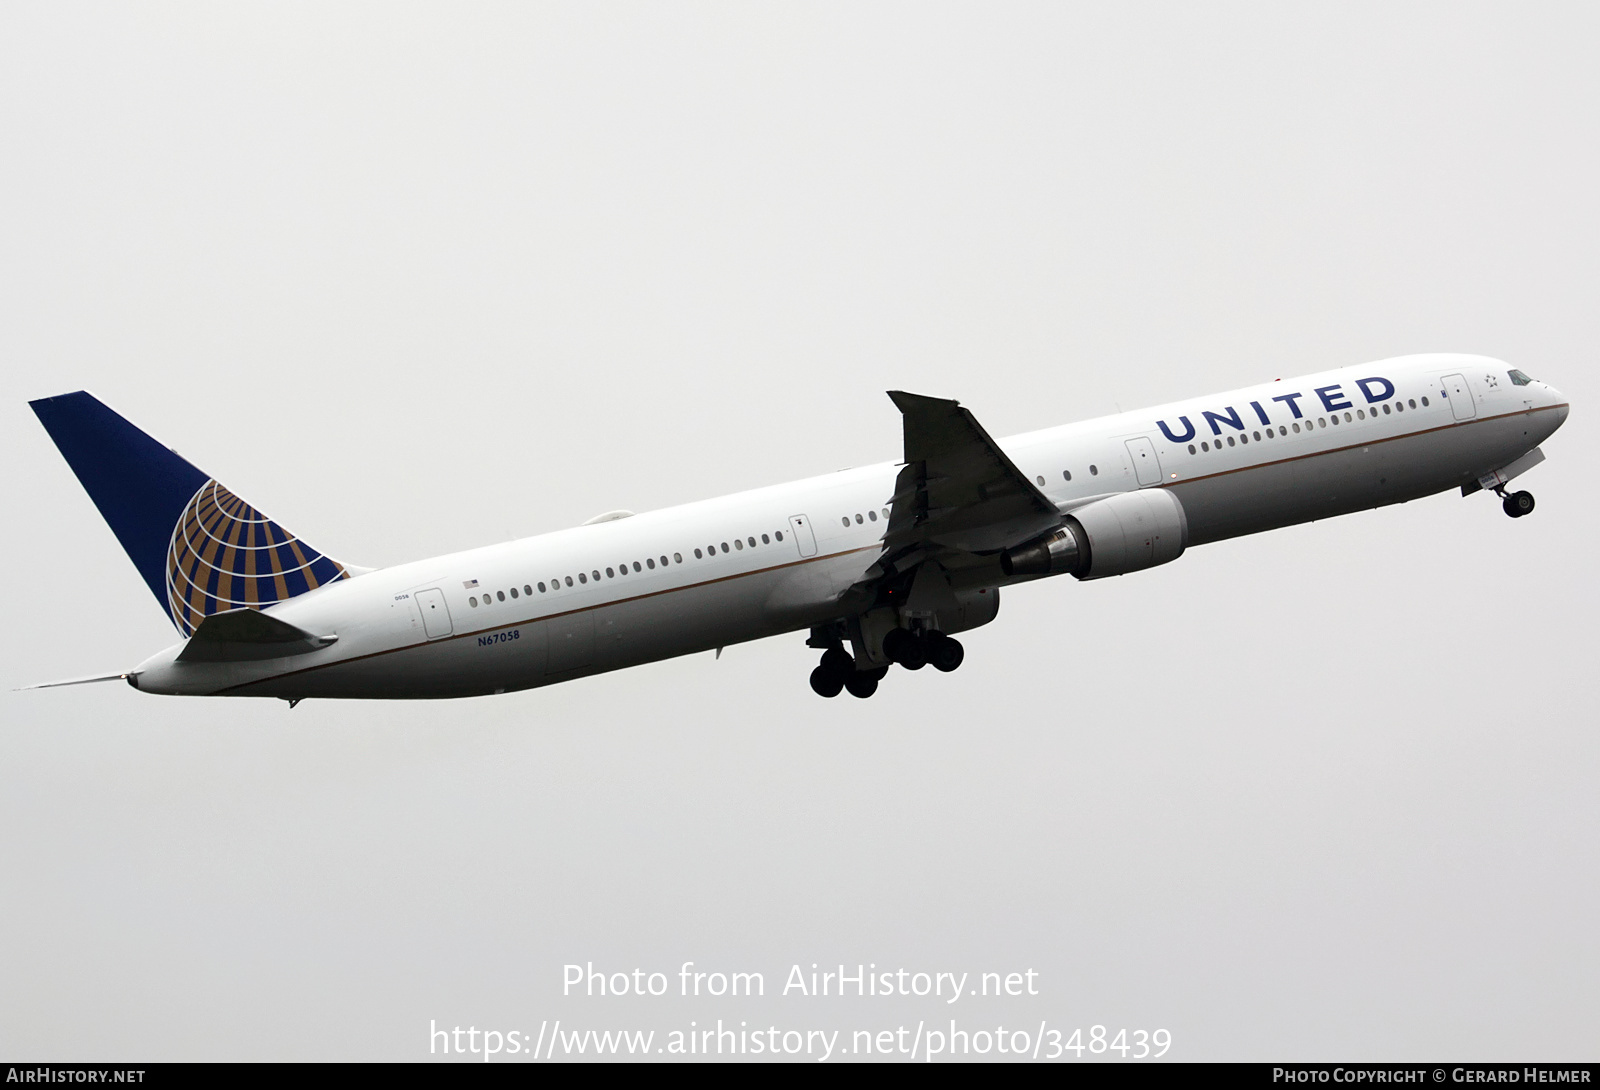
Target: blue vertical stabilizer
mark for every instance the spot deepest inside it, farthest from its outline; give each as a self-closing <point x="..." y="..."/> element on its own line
<point x="199" y="548"/>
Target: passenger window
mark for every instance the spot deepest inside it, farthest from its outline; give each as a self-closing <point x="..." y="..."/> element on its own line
<point x="1191" y="448"/>
<point x="1334" y="420"/>
<point x="859" y="519"/>
<point x="752" y="542"/>
<point x="1256" y="436"/>
<point x="1414" y="402"/>
<point x="527" y="590"/>
<point x="1424" y="403"/>
<point x="724" y="546"/>
<point x="1322" y="422"/>
<point x="778" y="535"/>
<point x="541" y="588"/>
<point x="650" y="563"/>
<point x="609" y="574"/>
<point x="473" y="602"/>
<point x="1360" y="415"/>
<point x="1244" y="439"/>
<point x="1386" y="410"/>
<point x="1230" y="440"/>
<point x="1066" y="474"/>
<point x="697" y="554"/>
<point x="1297" y="429"/>
<point x="1040" y="480"/>
<point x="885" y="512"/>
<point x="1282" y="430"/>
<point x="582" y="578"/>
<point x="1347" y="419"/>
<point x="676" y="556"/>
<point x="1094" y="471"/>
<point x="765" y="540"/>
<point x="845" y="520"/>
<point x="596" y="576"/>
<point x="1205" y="446"/>
<point x="513" y="592"/>
<point x="737" y="544"/>
<point x="569" y="580"/>
<point x="500" y="594"/>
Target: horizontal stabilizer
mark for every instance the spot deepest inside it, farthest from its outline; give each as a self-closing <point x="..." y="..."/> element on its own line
<point x="77" y="681"/>
<point x="245" y="635"/>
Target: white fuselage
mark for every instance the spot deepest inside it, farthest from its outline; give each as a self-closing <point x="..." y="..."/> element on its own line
<point x="703" y="575"/>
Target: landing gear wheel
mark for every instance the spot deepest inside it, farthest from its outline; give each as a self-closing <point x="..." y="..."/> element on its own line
<point x="825" y="682"/>
<point x="836" y="660"/>
<point x="1518" y="504"/>
<point x="944" y="653"/>
<point x="908" y="650"/>
<point x="862" y="683"/>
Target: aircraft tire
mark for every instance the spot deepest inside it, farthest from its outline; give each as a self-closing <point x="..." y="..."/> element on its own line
<point x="836" y="660"/>
<point x="861" y="684"/>
<point x="826" y="683"/>
<point x="908" y="650"/>
<point x="944" y="653"/>
<point x="1518" y="504"/>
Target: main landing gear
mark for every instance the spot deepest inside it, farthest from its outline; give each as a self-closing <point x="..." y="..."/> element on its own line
<point x="1516" y="504"/>
<point x="929" y="649"/>
<point x="837" y="671"/>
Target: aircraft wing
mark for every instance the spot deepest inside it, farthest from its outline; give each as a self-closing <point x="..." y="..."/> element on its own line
<point x="958" y="490"/>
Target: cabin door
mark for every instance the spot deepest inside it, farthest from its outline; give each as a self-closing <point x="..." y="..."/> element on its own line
<point x="435" y="614"/>
<point x="800" y="527"/>
<point x="1455" y="388"/>
<point x="1145" y="464"/>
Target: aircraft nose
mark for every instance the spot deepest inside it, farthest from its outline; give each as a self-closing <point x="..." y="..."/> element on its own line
<point x="1562" y="407"/>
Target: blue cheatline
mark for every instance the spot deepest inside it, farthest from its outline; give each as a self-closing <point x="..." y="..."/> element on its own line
<point x="200" y="548"/>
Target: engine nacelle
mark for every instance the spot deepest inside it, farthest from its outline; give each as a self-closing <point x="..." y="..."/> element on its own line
<point x="1120" y="534"/>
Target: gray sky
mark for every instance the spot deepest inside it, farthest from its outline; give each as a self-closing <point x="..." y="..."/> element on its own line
<point x="414" y="279"/>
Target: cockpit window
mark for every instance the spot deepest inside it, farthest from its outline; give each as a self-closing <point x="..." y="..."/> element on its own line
<point x="1518" y="378"/>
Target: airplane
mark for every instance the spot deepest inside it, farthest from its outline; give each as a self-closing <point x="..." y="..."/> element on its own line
<point x="881" y="565"/>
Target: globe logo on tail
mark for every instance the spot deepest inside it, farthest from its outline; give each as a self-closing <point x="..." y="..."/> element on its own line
<point x="225" y="555"/>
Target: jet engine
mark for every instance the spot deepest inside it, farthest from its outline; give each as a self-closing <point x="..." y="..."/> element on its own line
<point x="1120" y="534"/>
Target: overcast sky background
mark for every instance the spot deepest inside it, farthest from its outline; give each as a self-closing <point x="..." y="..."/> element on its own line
<point x="417" y="278"/>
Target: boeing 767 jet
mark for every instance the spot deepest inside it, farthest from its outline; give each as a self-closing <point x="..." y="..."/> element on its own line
<point x="880" y="565"/>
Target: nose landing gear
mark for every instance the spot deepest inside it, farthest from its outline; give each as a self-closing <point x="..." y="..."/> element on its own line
<point x="1516" y="504"/>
